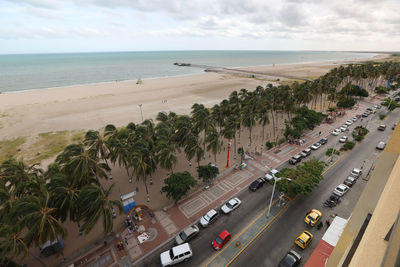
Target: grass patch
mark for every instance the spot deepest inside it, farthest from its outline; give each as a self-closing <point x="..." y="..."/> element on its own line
<point x="10" y="148"/>
<point x="47" y="145"/>
<point x="77" y="136"/>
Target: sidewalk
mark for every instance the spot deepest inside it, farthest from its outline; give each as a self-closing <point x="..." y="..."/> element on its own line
<point x="168" y="222"/>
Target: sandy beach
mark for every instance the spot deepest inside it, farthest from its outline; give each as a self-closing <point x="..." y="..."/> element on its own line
<point x="94" y="106"/>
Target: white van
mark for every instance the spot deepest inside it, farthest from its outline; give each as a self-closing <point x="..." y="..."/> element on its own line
<point x="176" y="254"/>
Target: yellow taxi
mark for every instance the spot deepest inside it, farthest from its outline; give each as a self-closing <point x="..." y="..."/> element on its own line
<point x="373" y="111"/>
<point x="312" y="217"/>
<point x="304" y="239"/>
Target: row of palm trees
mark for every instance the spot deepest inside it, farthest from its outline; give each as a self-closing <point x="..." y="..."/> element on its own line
<point x="34" y="203"/>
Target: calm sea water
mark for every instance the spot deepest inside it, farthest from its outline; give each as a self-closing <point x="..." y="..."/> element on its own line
<point x="36" y="71"/>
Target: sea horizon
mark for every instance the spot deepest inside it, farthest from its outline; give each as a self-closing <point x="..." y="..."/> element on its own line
<point x="23" y="72"/>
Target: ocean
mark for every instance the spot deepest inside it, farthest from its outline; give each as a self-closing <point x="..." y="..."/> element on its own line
<point x="37" y="71"/>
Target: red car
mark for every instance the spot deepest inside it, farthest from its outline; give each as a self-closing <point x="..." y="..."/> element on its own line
<point x="221" y="240"/>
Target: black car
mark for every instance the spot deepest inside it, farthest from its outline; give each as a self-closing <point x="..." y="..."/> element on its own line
<point x="323" y="141"/>
<point x="291" y="259"/>
<point x="256" y="184"/>
<point x="394" y="126"/>
<point x="295" y="159"/>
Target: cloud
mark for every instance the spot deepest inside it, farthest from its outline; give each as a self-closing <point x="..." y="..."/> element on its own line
<point x="329" y="20"/>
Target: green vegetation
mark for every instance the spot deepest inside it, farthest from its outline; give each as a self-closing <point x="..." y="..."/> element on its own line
<point x="382" y="90"/>
<point x="382" y="117"/>
<point x="331" y="151"/>
<point x="359" y="133"/>
<point x="49" y="144"/>
<point x="10" y="148"/>
<point x="178" y="185"/>
<point x="305" y="119"/>
<point x="304" y="178"/>
<point x="207" y="172"/>
<point x="391" y="104"/>
<point x="269" y="144"/>
<point x="347" y="146"/>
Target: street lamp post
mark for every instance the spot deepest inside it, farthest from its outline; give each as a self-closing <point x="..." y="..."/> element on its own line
<point x="273" y="190"/>
<point x="141" y="112"/>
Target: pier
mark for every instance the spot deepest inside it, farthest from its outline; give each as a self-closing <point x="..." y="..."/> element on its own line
<point x="240" y="72"/>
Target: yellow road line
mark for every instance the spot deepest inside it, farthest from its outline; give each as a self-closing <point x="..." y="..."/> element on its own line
<point x="259" y="233"/>
<point x="238" y="235"/>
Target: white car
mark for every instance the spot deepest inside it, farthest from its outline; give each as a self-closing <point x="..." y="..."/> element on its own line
<point x="381" y="145"/>
<point x="231" y="205"/>
<point x="176" y="254"/>
<point x="349" y="122"/>
<point x="208" y="218"/>
<point x="269" y="176"/>
<point x="355" y="173"/>
<point x="354" y="119"/>
<point x="336" y="132"/>
<point x="315" y="146"/>
<point x="343" y="139"/>
<point x="341" y="190"/>
<point x="343" y="128"/>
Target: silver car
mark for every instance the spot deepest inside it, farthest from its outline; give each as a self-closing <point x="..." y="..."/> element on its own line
<point x="187" y="234"/>
<point x="381" y="145"/>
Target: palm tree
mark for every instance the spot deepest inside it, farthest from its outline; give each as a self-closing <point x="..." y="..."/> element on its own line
<point x="97" y="144"/>
<point x="166" y="155"/>
<point x="95" y="203"/>
<point x="201" y="120"/>
<point x="15" y="173"/>
<point x="231" y="125"/>
<point x="248" y="113"/>
<point x="214" y="144"/>
<point x="12" y="244"/>
<point x="82" y="165"/>
<point x="262" y="115"/>
<point x="217" y="116"/>
<point x="40" y="218"/>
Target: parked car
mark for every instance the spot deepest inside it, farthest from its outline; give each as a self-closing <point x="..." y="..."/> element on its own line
<point x="231" y="205"/>
<point x="336" y="132"/>
<point x="382" y="127"/>
<point x="355" y="173"/>
<point x="176" y="254"/>
<point x="350" y="181"/>
<point x="343" y="129"/>
<point x="315" y="146"/>
<point x="291" y="259"/>
<point x="312" y="217"/>
<point x="394" y="126"/>
<point x="295" y="159"/>
<point x="354" y="119"/>
<point x="349" y="122"/>
<point x="258" y="183"/>
<point x="220" y="241"/>
<point x="381" y="145"/>
<point x="323" y="141"/>
<point x="209" y="218"/>
<point x="365" y="114"/>
<point x="341" y="190"/>
<point x="269" y="176"/>
<point x="187" y="234"/>
<point x="304" y="239"/>
<point x="343" y="139"/>
<point x="306" y="152"/>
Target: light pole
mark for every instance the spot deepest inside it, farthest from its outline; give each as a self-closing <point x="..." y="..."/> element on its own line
<point x="141" y="112"/>
<point x="273" y="190"/>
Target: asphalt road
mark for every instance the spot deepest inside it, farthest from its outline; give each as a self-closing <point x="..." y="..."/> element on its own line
<point x="272" y="245"/>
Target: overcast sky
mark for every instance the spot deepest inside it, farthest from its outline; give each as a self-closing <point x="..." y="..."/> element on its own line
<point x="42" y="26"/>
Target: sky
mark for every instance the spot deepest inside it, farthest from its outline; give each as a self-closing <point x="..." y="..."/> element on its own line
<point x="56" y="26"/>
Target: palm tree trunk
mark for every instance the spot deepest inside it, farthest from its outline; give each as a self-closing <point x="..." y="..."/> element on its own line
<point x="215" y="158"/>
<point x="262" y="145"/>
<point x="273" y="123"/>
<point x="147" y="190"/>
<point x="250" y="137"/>
<point x="234" y="138"/>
